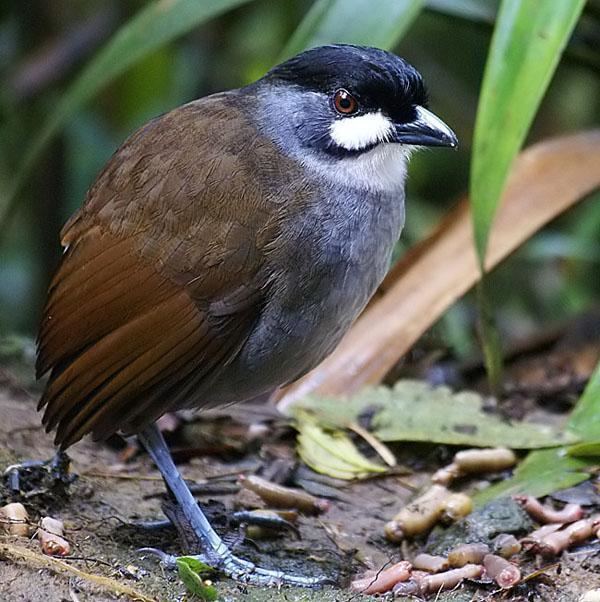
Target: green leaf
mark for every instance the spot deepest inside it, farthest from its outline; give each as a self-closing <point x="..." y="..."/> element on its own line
<point x="194" y="564"/>
<point x="473" y="10"/>
<point x="331" y="452"/>
<point x="541" y="473"/>
<point x="381" y="23"/>
<point x="414" y="411"/>
<point x="490" y="336"/>
<point x="546" y="471"/>
<point x="528" y="40"/>
<point x="156" y="24"/>
<point x="188" y="568"/>
<point x="585" y="418"/>
<point x="588" y="449"/>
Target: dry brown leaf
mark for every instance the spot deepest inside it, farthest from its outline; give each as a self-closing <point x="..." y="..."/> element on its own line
<point x="546" y="180"/>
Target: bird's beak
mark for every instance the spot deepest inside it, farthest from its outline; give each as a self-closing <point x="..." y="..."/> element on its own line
<point x="425" y="130"/>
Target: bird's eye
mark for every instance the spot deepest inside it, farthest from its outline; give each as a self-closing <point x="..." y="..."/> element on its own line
<point x="344" y="102"/>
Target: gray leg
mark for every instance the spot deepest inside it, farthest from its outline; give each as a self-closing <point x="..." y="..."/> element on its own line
<point x="40" y="473"/>
<point x="216" y="553"/>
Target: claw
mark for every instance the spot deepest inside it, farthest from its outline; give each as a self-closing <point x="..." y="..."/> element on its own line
<point x="216" y="552"/>
<point x="167" y="560"/>
<point x="152" y="525"/>
<point x="57" y="468"/>
<point x="12" y="473"/>
<point x="243" y="570"/>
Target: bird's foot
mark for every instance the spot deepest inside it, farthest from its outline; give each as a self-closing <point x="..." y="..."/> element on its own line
<point x="243" y="571"/>
<point x="197" y="530"/>
<point x="32" y="476"/>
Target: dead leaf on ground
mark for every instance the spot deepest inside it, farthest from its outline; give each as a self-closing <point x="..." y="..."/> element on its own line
<point x="331" y="451"/>
<point x="415" y="411"/>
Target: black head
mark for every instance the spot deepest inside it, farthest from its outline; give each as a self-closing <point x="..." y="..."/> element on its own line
<point x="353" y="98"/>
<point x="377" y="79"/>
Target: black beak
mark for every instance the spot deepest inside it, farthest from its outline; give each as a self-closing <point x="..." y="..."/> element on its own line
<point x="425" y="130"/>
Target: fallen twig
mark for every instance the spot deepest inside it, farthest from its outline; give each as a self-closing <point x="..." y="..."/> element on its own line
<point x="120" y="475"/>
<point x="18" y="553"/>
<point x="383" y="450"/>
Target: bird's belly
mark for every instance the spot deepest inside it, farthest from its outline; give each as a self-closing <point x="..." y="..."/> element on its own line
<point x="326" y="284"/>
<point x="290" y="340"/>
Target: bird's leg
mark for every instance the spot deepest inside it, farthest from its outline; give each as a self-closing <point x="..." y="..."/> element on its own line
<point x="57" y="469"/>
<point x="215" y="551"/>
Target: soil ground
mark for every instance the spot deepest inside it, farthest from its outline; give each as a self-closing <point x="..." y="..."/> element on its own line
<point x="108" y="496"/>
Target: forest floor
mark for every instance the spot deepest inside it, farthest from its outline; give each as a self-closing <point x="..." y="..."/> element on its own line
<point x="117" y="487"/>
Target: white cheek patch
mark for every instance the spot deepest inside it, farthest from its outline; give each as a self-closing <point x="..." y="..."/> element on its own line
<point x="382" y="169"/>
<point x="354" y="133"/>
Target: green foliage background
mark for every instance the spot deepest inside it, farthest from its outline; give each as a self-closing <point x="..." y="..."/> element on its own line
<point x="172" y="51"/>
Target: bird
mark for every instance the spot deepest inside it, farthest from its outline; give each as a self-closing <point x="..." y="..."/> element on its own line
<point x="224" y="250"/>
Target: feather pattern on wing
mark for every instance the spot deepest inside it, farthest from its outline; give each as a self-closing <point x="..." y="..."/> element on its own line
<point x="160" y="284"/>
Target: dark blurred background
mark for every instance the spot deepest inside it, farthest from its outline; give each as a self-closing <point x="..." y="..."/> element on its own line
<point x="44" y="44"/>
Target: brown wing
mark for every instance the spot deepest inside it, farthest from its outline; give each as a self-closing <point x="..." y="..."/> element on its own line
<point x="162" y="279"/>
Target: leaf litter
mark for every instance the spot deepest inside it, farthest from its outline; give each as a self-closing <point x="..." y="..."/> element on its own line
<point x="416" y="411"/>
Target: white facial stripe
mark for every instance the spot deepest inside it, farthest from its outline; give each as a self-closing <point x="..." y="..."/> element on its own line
<point x="354" y="133"/>
<point x="382" y="169"/>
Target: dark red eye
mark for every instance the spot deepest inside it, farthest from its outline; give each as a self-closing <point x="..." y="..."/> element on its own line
<point x="344" y="102"/>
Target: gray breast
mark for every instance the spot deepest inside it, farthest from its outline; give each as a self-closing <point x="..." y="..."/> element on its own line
<point x="337" y="254"/>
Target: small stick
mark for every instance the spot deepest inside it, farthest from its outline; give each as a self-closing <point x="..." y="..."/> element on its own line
<point x="383" y="450"/>
<point x="59" y="566"/>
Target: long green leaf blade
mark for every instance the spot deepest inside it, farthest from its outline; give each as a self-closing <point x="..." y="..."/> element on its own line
<point x="541" y="473"/>
<point x="585" y="418"/>
<point x="546" y="471"/>
<point x="155" y="25"/>
<point x="483" y="11"/>
<point x="380" y="23"/>
<point x="528" y="40"/>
